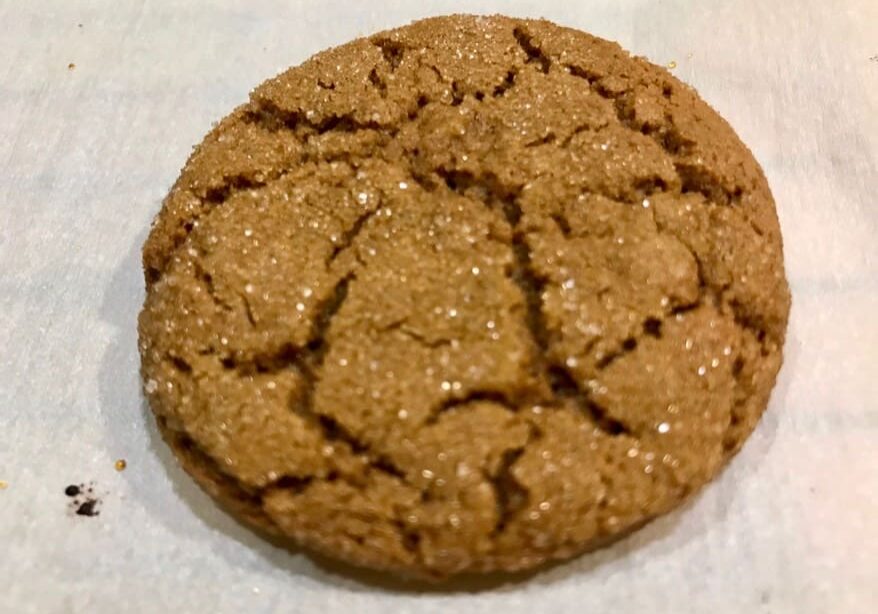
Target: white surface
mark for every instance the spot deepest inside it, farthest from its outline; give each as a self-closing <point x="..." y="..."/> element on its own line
<point x="86" y="156"/>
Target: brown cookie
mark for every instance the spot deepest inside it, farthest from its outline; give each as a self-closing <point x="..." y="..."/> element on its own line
<point x="469" y="295"/>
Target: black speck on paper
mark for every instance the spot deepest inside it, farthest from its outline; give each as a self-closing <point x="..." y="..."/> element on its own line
<point x="88" y="508"/>
<point x="84" y="501"/>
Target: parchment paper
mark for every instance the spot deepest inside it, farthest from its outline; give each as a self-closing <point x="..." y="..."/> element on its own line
<point x="88" y="151"/>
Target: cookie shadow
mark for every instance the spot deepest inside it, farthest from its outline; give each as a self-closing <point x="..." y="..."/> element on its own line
<point x="132" y="434"/>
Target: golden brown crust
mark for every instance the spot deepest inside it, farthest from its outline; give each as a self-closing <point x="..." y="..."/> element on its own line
<point x="469" y="295"/>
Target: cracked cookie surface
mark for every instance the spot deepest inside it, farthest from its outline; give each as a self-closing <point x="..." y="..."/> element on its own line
<point x="468" y="295"/>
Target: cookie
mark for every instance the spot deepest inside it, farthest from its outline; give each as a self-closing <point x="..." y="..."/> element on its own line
<point x="469" y="295"/>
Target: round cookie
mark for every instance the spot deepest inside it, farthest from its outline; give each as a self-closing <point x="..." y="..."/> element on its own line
<point x="468" y="295"/>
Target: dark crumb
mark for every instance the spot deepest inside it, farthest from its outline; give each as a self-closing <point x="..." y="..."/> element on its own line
<point x="71" y="66"/>
<point x="85" y="502"/>
<point x="88" y="508"/>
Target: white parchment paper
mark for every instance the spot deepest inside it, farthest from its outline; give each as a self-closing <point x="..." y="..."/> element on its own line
<point x="87" y="153"/>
